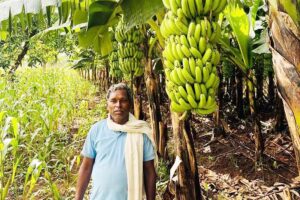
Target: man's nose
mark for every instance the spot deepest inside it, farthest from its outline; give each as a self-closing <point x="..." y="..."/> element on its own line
<point x="118" y="103"/>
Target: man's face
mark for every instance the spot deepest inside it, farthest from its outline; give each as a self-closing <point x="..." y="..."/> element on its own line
<point x="118" y="106"/>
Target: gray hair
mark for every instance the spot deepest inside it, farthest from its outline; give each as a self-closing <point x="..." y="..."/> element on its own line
<point x="120" y="86"/>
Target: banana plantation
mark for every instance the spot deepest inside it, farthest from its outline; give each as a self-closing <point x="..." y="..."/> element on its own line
<point x="217" y="80"/>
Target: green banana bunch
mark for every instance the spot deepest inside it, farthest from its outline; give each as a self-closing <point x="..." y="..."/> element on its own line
<point x="113" y="60"/>
<point x="190" y="29"/>
<point x="129" y="52"/>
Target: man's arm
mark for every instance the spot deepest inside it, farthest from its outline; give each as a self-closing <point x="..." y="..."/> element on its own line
<point x="149" y="179"/>
<point x="84" y="176"/>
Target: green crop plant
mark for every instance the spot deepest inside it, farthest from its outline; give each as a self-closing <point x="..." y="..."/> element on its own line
<point x="191" y="30"/>
<point x="9" y="145"/>
<point x="37" y="110"/>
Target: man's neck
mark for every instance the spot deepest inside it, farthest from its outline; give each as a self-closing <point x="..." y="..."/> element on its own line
<point x="121" y="123"/>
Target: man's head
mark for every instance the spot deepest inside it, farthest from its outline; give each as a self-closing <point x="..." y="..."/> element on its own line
<point x="119" y="102"/>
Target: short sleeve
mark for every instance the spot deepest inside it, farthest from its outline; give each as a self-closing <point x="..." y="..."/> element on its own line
<point x="88" y="149"/>
<point x="148" y="149"/>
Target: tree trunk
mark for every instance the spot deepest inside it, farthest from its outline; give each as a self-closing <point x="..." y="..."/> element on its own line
<point x="218" y="114"/>
<point x="285" y="47"/>
<point x="154" y="109"/>
<point x="279" y="117"/>
<point x="107" y="83"/>
<point x="259" y="81"/>
<point x="233" y="86"/>
<point x="239" y="94"/>
<point x="23" y="53"/>
<point x="271" y="88"/>
<point x="259" y="145"/>
<point x="137" y="100"/>
<point x="188" y="186"/>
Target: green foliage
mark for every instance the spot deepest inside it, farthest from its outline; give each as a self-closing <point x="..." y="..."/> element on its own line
<point x="9" y="50"/>
<point x="268" y="64"/>
<point x="138" y="12"/>
<point x="227" y="69"/>
<point x="240" y="25"/>
<point x="38" y="109"/>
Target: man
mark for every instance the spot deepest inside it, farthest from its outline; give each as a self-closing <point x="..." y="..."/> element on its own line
<point x="118" y="153"/>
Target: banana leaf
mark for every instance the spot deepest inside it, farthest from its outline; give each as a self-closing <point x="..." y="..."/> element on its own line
<point x="240" y="25"/>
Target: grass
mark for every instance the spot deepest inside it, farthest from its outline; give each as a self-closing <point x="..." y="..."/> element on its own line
<point x="44" y="118"/>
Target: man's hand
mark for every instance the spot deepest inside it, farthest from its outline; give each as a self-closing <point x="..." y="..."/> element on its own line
<point x="149" y="179"/>
<point x="84" y="176"/>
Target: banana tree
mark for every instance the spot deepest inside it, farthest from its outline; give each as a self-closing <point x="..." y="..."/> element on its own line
<point x="285" y="46"/>
<point x="241" y="25"/>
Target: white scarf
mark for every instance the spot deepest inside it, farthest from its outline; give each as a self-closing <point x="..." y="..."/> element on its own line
<point x="133" y="152"/>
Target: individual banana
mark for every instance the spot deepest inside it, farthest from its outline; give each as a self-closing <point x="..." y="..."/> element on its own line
<point x="205" y="111"/>
<point x="181" y="26"/>
<point x="209" y="102"/>
<point x="192" y="8"/>
<point x="182" y="92"/>
<point x="185" y="63"/>
<point x="202" y="44"/>
<point x="220" y="8"/>
<point x="173" y="6"/>
<point x="192" y="101"/>
<point x="198" y="74"/>
<point x="216" y="83"/>
<point x="217" y="58"/>
<point x="192" y="42"/>
<point x="208" y="28"/>
<point x="184" y="41"/>
<point x="190" y="90"/>
<point x="195" y="52"/>
<point x="203" y="28"/>
<point x="210" y="80"/>
<point x="180" y="75"/>
<point x="185" y="51"/>
<point x="172" y="96"/>
<point x="168" y="64"/>
<point x="179" y="52"/>
<point x="191" y="29"/>
<point x="208" y="66"/>
<point x="197" y="89"/>
<point x="197" y="32"/>
<point x="206" y="55"/>
<point x="184" y="104"/>
<point x="199" y="6"/>
<point x="202" y="101"/>
<point x="174" y="77"/>
<point x="192" y="66"/>
<point x="199" y="63"/>
<point x="187" y="76"/>
<point x="203" y="89"/>
<point x="174" y="51"/>
<point x="185" y="8"/>
<point x="205" y="73"/>
<point x="177" y="107"/>
<point x="207" y="6"/>
<point x="215" y="5"/>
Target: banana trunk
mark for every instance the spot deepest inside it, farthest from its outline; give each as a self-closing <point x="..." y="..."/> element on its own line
<point x="285" y="49"/>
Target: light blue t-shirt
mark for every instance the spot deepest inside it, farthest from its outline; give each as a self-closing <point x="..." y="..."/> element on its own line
<point x="109" y="172"/>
